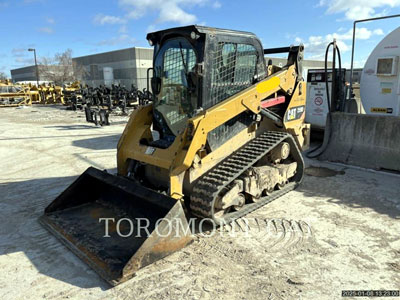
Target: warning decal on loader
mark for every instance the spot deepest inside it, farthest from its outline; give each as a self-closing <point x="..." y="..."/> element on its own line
<point x="269" y="85"/>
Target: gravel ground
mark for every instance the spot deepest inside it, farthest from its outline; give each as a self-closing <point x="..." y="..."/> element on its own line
<point x="338" y="231"/>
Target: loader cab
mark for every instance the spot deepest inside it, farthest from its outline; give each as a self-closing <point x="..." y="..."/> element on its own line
<point x="197" y="67"/>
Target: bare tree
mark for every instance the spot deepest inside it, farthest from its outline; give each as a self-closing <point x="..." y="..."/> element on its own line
<point x="59" y="69"/>
<point x="80" y="73"/>
<point x="3" y="76"/>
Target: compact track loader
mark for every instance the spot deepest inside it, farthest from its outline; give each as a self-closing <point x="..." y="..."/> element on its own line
<point x="221" y="138"/>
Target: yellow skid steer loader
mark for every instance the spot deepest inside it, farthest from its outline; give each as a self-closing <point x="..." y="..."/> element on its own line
<point x="222" y="138"/>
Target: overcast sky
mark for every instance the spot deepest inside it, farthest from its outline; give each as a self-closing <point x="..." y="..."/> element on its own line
<point x="92" y="26"/>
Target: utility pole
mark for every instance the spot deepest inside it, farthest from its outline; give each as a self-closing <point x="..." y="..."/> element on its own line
<point x="36" y="65"/>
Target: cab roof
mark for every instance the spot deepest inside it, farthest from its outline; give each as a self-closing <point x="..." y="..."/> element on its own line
<point x="186" y="30"/>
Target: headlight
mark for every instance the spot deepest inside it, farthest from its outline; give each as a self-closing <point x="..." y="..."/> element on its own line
<point x="193" y="35"/>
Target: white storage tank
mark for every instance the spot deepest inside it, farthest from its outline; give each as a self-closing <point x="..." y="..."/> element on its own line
<point x="379" y="86"/>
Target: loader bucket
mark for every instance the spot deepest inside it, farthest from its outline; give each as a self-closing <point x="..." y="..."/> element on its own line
<point x="75" y="218"/>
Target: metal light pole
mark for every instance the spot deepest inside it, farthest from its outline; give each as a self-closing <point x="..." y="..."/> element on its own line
<point x="36" y="65"/>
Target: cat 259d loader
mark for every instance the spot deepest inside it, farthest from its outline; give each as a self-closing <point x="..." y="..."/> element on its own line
<point x="222" y="138"/>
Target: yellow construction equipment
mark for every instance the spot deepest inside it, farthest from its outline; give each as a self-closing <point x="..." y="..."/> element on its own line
<point x="51" y="94"/>
<point x="45" y="93"/>
<point x="13" y="95"/>
<point x="222" y="138"/>
<point x="26" y="94"/>
<point x="72" y="94"/>
<point x="34" y="93"/>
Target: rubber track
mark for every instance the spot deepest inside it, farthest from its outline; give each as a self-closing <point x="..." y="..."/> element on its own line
<point x="210" y="185"/>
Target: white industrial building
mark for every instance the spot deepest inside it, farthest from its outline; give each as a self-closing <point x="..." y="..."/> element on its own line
<point x="125" y="67"/>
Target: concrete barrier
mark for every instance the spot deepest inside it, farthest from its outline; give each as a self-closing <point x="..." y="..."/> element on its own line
<point x="364" y="140"/>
